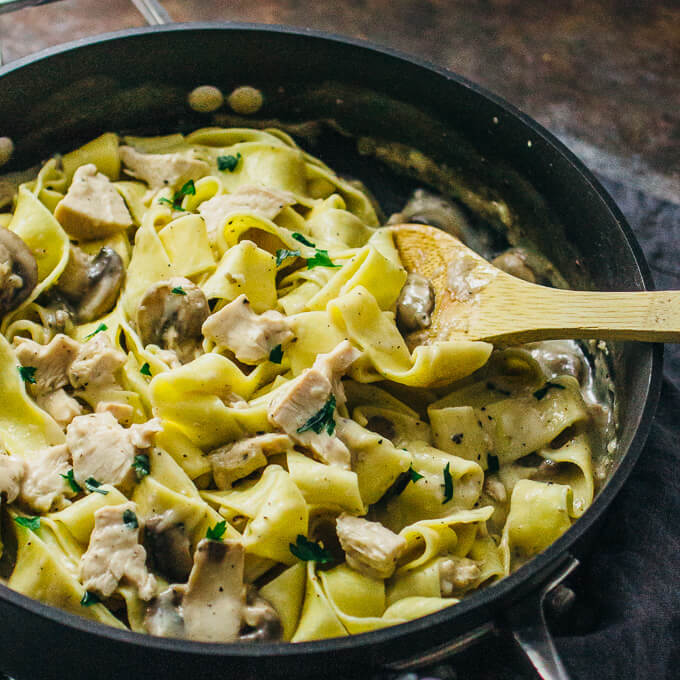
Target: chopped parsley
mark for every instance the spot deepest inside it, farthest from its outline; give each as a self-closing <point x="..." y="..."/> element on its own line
<point x="321" y="259"/>
<point x="145" y="369"/>
<point x="89" y="599"/>
<point x="540" y="393"/>
<point x="178" y="290"/>
<point x="98" y="329"/>
<point x="276" y="355"/>
<point x="141" y="465"/>
<point x="448" y="484"/>
<point x="492" y="464"/>
<point x="188" y="189"/>
<point x="309" y="551"/>
<point x="414" y="476"/>
<point x="91" y="484"/>
<point x="321" y="419"/>
<point x="299" y="237"/>
<point x="27" y="373"/>
<point x="215" y="533"/>
<point x="32" y="523"/>
<point x="283" y="254"/>
<point x="75" y="487"/>
<point x="130" y="519"/>
<point x="228" y="162"/>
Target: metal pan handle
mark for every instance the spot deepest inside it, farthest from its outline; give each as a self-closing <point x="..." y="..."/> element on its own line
<point x="526" y="624"/>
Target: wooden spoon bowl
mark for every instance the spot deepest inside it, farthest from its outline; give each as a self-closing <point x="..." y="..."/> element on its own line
<point x="476" y="301"/>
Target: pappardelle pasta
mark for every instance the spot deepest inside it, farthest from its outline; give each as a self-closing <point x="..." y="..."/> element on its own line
<point x="216" y="423"/>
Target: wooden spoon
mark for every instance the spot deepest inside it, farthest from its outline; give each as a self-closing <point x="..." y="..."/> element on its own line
<point x="476" y="301"/>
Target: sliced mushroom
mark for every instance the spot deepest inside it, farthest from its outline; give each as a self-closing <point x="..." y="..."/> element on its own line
<point x="18" y="271"/>
<point x="426" y="208"/>
<point x="92" y="284"/>
<point x="514" y="262"/>
<point x="262" y="620"/>
<point x="164" y="616"/>
<point x="171" y="314"/>
<point x="168" y="546"/>
<point x="415" y="304"/>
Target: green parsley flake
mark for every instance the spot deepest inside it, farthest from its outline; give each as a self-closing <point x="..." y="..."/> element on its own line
<point x="228" y="162"/>
<point x="188" y="189"/>
<point x="145" y="369"/>
<point x="75" y="487"/>
<point x="32" y="523"/>
<point x="27" y="373"/>
<point x="321" y="419"/>
<point x="178" y="290"/>
<point x="141" y="465"/>
<point x="448" y="484"/>
<point x="283" y="254"/>
<point x="215" y="533"/>
<point x="540" y="393"/>
<point x="299" y="237"/>
<point x="89" y="599"/>
<point x="276" y="355"/>
<point x="321" y="259"/>
<point x="309" y="551"/>
<point x="130" y="519"/>
<point x="413" y="475"/>
<point x="91" y="484"/>
<point x="98" y="329"/>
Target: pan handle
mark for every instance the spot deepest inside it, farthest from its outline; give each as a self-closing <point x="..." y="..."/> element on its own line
<point x="526" y="624"/>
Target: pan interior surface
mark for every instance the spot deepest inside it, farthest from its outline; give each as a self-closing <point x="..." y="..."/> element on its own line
<point x="358" y="109"/>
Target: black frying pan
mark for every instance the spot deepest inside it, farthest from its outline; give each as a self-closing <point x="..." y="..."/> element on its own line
<point x="138" y="80"/>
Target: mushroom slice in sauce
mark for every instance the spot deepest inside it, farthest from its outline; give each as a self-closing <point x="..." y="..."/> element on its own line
<point x="168" y="546"/>
<point x="215" y="596"/>
<point x="92" y="283"/>
<point x="262" y="620"/>
<point x="171" y="314"/>
<point x="18" y="271"/>
<point x="415" y="304"/>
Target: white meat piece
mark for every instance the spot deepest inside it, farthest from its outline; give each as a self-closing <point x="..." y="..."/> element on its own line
<point x="163" y="169"/>
<point x="457" y="574"/>
<point x="12" y="471"/>
<point x="249" y="199"/>
<point x="250" y="336"/>
<point x="104" y="450"/>
<point x="305" y="396"/>
<point x="334" y="365"/>
<point x="215" y="597"/>
<point x="61" y="406"/>
<point x="370" y="548"/>
<point x="495" y="489"/>
<point x="92" y="207"/>
<point x="236" y="461"/>
<point x="123" y="413"/>
<point x="114" y="554"/>
<point x="52" y="361"/>
<point x="43" y="488"/>
<point x="96" y="363"/>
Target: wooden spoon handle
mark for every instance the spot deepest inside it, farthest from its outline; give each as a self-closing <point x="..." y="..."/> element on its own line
<point x="549" y="313"/>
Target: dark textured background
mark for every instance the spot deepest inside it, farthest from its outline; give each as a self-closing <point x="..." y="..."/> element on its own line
<point x="604" y="76"/>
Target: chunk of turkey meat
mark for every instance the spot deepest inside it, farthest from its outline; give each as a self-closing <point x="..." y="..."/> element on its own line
<point x="43" y="487"/>
<point x="370" y="548"/>
<point x="92" y="207"/>
<point x="51" y="361"/>
<point x="236" y="461"/>
<point x="306" y="395"/>
<point x="250" y="336"/>
<point x="96" y="363"/>
<point x="12" y="471"/>
<point x="103" y="450"/>
<point x="457" y="574"/>
<point x="61" y="406"/>
<point x="115" y="554"/>
<point x="163" y="169"/>
<point x="248" y="198"/>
